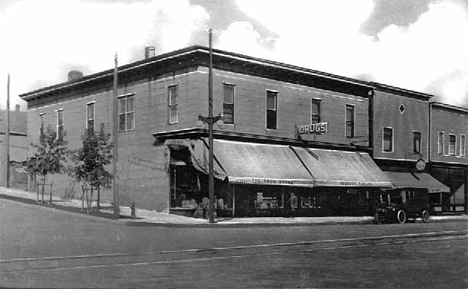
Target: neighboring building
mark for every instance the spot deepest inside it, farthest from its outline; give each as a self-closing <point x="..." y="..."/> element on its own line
<point x="414" y="135"/>
<point x="18" y="148"/>
<point x="286" y="129"/>
<point x="449" y="161"/>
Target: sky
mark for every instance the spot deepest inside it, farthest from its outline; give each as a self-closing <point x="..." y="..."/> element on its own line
<point x="420" y="45"/>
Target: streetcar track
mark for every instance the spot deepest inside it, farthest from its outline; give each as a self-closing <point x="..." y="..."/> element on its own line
<point x="214" y="249"/>
<point x="202" y="259"/>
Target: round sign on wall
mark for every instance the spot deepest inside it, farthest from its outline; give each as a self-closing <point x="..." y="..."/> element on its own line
<point x="420" y="165"/>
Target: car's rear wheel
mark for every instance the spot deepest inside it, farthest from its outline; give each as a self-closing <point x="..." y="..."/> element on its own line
<point x="401" y="216"/>
<point x="425" y="216"/>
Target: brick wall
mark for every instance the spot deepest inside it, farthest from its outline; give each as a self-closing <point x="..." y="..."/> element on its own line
<point x="141" y="165"/>
<point x="415" y="117"/>
<point x="451" y="123"/>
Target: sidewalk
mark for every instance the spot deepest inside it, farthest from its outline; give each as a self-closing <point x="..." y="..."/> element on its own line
<point x="153" y="218"/>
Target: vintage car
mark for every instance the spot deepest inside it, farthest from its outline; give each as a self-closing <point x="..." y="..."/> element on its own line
<point x="403" y="204"/>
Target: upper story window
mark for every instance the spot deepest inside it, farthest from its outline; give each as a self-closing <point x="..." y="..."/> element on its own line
<point x="90" y="116"/>
<point x="271" y="109"/>
<point x="452" y="144"/>
<point x="349" y="120"/>
<point x="387" y="139"/>
<point x="228" y="103"/>
<point x="60" y="123"/>
<point x="42" y="120"/>
<point x="126" y="113"/>
<point x="416" y="142"/>
<point x="462" y="145"/>
<point x="172" y="101"/>
<point x="316" y="110"/>
<point x="440" y="143"/>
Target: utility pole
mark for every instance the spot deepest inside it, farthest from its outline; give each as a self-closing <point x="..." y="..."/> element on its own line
<point x="115" y="151"/>
<point x="210" y="120"/>
<point x="7" y="134"/>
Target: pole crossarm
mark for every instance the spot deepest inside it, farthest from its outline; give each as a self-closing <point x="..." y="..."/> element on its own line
<point x="210" y="119"/>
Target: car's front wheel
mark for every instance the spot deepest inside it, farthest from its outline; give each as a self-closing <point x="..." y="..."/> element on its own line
<point x="425" y="216"/>
<point x="401" y="216"/>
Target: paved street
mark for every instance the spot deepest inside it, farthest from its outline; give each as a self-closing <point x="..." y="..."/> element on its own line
<point x="42" y="247"/>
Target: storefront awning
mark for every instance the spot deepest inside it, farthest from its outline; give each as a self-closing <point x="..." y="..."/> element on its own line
<point x="417" y="180"/>
<point x="250" y="163"/>
<point x="332" y="168"/>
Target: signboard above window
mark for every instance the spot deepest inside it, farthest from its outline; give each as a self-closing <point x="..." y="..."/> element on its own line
<point x="313" y="128"/>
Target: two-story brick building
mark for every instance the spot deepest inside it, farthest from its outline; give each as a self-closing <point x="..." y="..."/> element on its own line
<point x="286" y="129"/>
<point x="448" y="160"/>
<point x="267" y="148"/>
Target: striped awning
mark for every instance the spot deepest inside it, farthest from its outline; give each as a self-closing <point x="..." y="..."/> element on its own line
<point x="251" y="163"/>
<point x="417" y="181"/>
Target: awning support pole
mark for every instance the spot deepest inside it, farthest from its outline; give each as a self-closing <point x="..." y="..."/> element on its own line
<point x="233" y="200"/>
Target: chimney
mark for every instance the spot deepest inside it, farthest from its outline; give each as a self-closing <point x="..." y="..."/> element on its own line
<point x="150" y="51"/>
<point x="74" y="75"/>
<point x="17" y="107"/>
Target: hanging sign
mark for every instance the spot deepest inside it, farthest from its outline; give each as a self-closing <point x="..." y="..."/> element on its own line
<point x="313" y="128"/>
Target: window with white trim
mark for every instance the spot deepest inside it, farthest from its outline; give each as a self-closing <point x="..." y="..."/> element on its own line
<point x="271" y="110"/>
<point x="452" y="144"/>
<point x="462" y="145"/>
<point x="60" y="123"/>
<point x="172" y="103"/>
<point x="90" y="116"/>
<point x="440" y="142"/>
<point x="387" y="139"/>
<point x="349" y="120"/>
<point x="126" y="113"/>
<point x="316" y="109"/>
<point x="228" y="103"/>
<point x="416" y="142"/>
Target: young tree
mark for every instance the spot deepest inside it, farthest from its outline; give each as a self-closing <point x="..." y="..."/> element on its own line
<point x="50" y="156"/>
<point x="90" y="161"/>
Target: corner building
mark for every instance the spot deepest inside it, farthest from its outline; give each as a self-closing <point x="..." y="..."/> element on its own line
<point x="285" y="129"/>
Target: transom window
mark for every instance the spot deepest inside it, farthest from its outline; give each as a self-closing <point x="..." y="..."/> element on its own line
<point x="126" y="113"/>
<point x="349" y="120"/>
<point x="272" y="99"/>
<point x="172" y="100"/>
<point x="228" y="103"/>
<point x="316" y="111"/>
<point x="90" y="116"/>
<point x="387" y="139"/>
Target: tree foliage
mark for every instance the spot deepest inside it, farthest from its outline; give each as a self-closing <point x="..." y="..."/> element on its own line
<point x="92" y="158"/>
<point x="50" y="156"/>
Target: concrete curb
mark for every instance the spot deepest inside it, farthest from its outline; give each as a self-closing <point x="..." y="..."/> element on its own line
<point x="127" y="221"/>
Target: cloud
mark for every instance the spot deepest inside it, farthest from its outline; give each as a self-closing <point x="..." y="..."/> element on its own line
<point x="43" y="40"/>
<point x="429" y="55"/>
